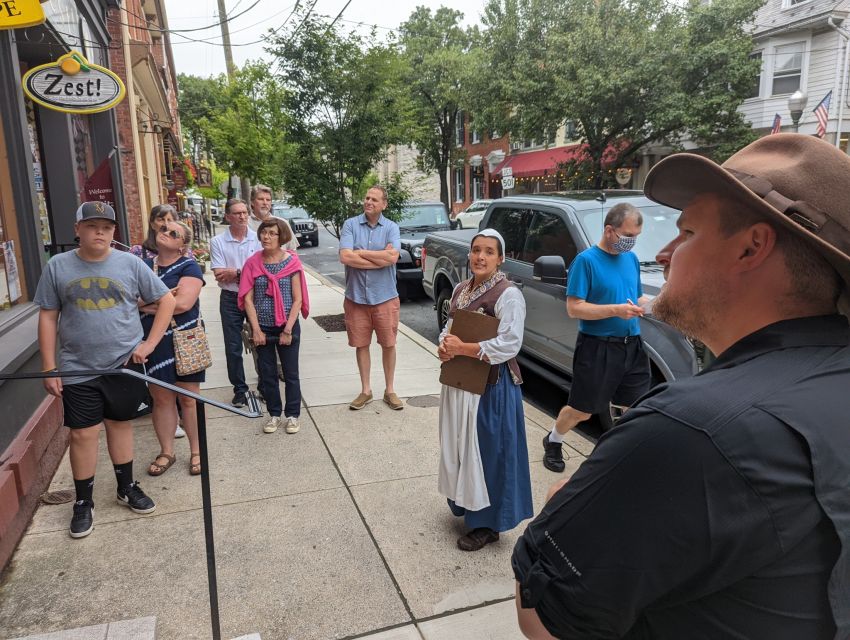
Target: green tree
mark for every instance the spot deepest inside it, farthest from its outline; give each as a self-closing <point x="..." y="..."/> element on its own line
<point x="439" y="55"/>
<point x="199" y="100"/>
<point x="626" y="74"/>
<point x="345" y="104"/>
<point x="248" y="133"/>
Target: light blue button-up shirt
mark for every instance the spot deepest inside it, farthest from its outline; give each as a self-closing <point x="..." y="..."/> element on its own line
<point x="370" y="286"/>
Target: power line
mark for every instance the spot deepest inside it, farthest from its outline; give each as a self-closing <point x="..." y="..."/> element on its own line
<point x="338" y="16"/>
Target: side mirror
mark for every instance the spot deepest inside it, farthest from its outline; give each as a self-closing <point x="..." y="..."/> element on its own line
<point x="551" y="270"/>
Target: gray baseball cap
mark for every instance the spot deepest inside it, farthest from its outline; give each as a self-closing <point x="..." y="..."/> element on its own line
<point x="95" y="210"/>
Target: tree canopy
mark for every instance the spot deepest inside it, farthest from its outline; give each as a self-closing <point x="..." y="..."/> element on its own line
<point x="346" y="104"/>
<point x="439" y="56"/>
<point x="240" y="123"/>
<point x="624" y="73"/>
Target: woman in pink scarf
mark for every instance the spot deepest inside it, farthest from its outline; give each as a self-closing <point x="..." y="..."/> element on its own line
<point x="273" y="292"/>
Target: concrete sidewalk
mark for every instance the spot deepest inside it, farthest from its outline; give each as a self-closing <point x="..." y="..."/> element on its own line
<point x="337" y="531"/>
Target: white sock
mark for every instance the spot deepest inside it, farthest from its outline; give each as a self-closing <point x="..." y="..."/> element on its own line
<point x="554" y="436"/>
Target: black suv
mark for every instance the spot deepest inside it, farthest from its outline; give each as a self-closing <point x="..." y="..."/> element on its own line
<point x="303" y="226"/>
<point x="418" y="220"/>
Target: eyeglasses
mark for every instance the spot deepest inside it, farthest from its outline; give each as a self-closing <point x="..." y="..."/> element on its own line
<point x="171" y="233"/>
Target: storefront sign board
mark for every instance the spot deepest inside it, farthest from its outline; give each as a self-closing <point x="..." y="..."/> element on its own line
<point x="73" y="85"/>
<point x="15" y="14"/>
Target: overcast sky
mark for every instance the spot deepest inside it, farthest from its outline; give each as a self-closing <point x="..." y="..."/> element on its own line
<point x="205" y="59"/>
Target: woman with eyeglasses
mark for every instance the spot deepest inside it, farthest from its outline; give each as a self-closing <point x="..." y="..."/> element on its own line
<point x="183" y="276"/>
<point x="273" y="293"/>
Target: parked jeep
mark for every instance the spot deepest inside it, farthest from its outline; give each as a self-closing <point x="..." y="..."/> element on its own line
<point x="303" y="226"/>
<point x="418" y="219"/>
<point x="543" y="233"/>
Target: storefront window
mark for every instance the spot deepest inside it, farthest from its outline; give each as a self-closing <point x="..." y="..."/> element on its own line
<point x="11" y="279"/>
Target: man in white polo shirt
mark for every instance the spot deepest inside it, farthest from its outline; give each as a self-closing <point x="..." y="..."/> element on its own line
<point x="228" y="252"/>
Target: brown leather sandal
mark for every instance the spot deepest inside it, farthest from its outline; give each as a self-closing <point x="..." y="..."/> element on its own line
<point x="194" y="469"/>
<point x="477" y="539"/>
<point x="157" y="469"/>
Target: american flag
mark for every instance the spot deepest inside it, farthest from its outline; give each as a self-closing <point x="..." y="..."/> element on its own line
<point x="777" y="124"/>
<point x="822" y="114"/>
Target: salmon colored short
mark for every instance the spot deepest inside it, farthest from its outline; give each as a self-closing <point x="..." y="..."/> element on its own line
<point x="362" y="319"/>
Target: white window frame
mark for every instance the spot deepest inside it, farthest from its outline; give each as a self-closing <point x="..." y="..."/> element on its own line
<point x="475" y="137"/>
<point x="804" y="63"/>
<point x="460" y="187"/>
<point x="460" y="129"/>
<point x="477" y="186"/>
<point x="791" y="4"/>
<point x="760" y="92"/>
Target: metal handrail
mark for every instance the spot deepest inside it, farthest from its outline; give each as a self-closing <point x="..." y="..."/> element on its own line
<point x="252" y="412"/>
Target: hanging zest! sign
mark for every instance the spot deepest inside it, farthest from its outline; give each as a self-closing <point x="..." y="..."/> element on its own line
<point x="72" y="84"/>
<point x="15" y="14"/>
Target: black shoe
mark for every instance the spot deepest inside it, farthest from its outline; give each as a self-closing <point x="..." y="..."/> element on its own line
<point x="239" y="400"/>
<point x="135" y="498"/>
<point x="82" y="522"/>
<point x="553" y="457"/>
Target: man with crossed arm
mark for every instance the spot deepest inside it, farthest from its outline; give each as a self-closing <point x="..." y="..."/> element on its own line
<point x="369" y="247"/>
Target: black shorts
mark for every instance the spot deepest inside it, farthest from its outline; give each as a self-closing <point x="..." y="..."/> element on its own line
<point x="115" y="398"/>
<point x="614" y="370"/>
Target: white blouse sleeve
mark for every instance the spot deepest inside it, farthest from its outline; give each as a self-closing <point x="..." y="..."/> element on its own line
<point x="510" y="309"/>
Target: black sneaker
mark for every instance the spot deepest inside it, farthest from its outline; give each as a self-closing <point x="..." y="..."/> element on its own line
<point x="82" y="522"/>
<point x="135" y="498"/>
<point x="239" y="400"/>
<point x="553" y="457"/>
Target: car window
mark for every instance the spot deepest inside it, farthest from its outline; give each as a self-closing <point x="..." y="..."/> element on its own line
<point x="423" y="215"/>
<point x="548" y="235"/>
<point x="659" y="228"/>
<point x="511" y="223"/>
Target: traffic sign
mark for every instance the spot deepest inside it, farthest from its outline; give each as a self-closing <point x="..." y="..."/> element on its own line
<point x="507" y="182"/>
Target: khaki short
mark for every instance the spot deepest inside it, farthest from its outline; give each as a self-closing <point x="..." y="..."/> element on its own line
<point x="362" y="319"/>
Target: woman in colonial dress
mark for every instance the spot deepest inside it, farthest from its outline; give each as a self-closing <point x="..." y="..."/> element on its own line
<point x="182" y="275"/>
<point x="484" y="470"/>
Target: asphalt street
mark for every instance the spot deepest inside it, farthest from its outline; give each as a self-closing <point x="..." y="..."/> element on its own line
<point x="418" y="313"/>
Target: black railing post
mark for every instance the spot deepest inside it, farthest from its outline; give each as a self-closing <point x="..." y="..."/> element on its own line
<point x="206" y="497"/>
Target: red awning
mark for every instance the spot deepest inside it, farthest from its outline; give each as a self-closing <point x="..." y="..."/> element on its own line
<point x="537" y="163"/>
<point x="547" y="161"/>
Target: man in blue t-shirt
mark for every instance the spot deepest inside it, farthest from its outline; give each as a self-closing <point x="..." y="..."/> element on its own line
<point x="605" y="294"/>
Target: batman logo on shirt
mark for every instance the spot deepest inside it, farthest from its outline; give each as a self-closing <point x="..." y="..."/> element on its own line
<point x="95" y="294"/>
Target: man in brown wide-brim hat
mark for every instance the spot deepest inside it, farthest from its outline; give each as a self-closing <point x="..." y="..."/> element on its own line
<point x="720" y="505"/>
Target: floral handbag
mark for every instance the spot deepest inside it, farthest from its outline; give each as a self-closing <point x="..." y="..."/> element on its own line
<point x="191" y="349"/>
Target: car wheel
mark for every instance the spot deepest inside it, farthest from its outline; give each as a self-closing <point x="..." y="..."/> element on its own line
<point x="444" y="303"/>
<point x="459" y="224"/>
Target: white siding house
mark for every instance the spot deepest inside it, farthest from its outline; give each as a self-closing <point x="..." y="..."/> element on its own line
<point x="799" y="49"/>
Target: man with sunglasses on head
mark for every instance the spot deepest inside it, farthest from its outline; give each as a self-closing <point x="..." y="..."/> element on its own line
<point x="228" y="252"/>
<point x="609" y="362"/>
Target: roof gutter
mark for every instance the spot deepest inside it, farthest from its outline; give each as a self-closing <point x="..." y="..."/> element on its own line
<point x="843" y="82"/>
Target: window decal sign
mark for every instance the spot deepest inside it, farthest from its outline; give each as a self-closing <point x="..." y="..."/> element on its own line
<point x="15" y="14"/>
<point x="72" y="84"/>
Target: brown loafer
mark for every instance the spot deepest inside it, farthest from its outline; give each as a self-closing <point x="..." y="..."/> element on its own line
<point x="393" y="401"/>
<point x="360" y="401"/>
<point x="477" y="539"/>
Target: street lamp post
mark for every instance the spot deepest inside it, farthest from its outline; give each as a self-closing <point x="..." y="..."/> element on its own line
<point x="796" y="105"/>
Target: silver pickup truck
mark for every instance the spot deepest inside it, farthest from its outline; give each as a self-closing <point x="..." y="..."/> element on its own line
<point x="543" y="233"/>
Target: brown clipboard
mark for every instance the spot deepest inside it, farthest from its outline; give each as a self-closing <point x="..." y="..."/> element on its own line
<point x="463" y="372"/>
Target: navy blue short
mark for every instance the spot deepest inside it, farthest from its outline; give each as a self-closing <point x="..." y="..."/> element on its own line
<point x="115" y="398"/>
<point x="608" y="370"/>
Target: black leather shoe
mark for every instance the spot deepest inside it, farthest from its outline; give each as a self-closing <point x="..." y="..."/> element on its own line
<point x="553" y="456"/>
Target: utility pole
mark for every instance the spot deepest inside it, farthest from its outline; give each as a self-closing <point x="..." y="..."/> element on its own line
<point x="231" y="75"/>
<point x="225" y="37"/>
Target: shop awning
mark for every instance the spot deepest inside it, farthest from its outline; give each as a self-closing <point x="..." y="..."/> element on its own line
<point x="547" y="161"/>
<point x="537" y="163"/>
